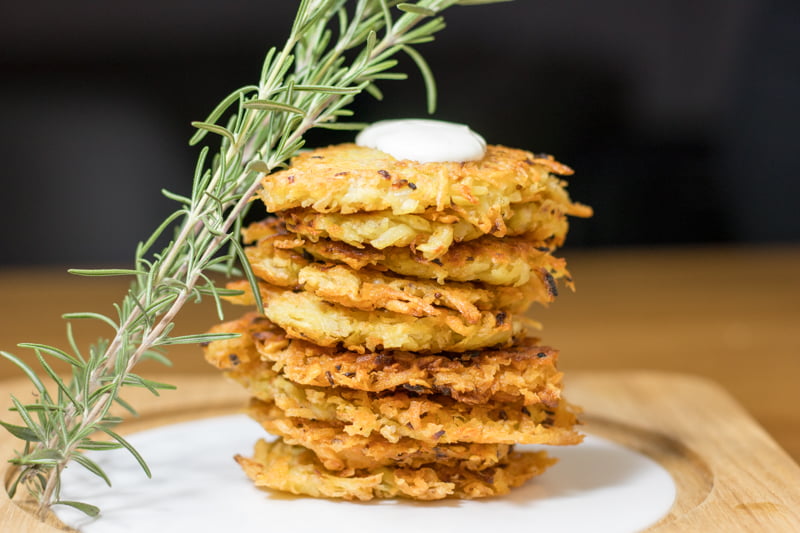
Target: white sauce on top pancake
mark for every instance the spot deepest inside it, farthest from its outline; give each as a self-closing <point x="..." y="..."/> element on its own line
<point x="423" y="140"/>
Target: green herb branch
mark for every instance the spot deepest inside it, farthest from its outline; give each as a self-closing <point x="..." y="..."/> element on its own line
<point x="336" y="49"/>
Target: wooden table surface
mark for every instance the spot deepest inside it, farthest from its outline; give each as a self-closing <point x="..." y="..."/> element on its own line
<point x="731" y="315"/>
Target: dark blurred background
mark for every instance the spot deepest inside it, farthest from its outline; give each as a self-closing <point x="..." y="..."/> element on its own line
<point x="680" y="117"/>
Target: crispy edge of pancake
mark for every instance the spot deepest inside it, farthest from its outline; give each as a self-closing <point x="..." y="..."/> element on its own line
<point x="340" y="452"/>
<point x="294" y="469"/>
<point x="230" y="353"/>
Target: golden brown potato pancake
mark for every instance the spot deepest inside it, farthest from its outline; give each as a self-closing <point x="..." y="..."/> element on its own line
<point x="343" y="453"/>
<point x="350" y="179"/>
<point x="431" y="418"/>
<point x="369" y="290"/>
<point x="525" y="372"/>
<point x="430" y="233"/>
<point x="294" y="469"/>
<point x="306" y="316"/>
<point x="511" y="261"/>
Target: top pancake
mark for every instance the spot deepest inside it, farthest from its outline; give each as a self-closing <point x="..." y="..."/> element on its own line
<point x="348" y="179"/>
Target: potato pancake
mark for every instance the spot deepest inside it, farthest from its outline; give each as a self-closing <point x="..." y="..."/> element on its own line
<point x="343" y="453"/>
<point x="306" y="316"/>
<point x="430" y="418"/>
<point x="524" y="373"/>
<point x="294" y="469"/>
<point x="511" y="261"/>
<point x="430" y="233"/>
<point x="351" y="179"/>
<point x="368" y="289"/>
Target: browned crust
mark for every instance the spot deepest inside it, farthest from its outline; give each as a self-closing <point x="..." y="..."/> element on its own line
<point x="348" y="179"/>
<point x="306" y="316"/>
<point x="297" y="470"/>
<point x="343" y="453"/>
<point x="431" y="233"/>
<point x="430" y="418"/>
<point x="525" y="372"/>
<point x="369" y="289"/>
<point x="512" y="261"/>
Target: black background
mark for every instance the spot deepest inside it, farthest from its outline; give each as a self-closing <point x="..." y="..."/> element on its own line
<point x="680" y="117"/>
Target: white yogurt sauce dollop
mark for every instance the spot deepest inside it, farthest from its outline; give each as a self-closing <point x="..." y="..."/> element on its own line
<point x="424" y="140"/>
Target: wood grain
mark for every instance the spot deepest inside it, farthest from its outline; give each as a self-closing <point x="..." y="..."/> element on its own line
<point x="729" y="315"/>
<point x="731" y="476"/>
<point x="707" y="441"/>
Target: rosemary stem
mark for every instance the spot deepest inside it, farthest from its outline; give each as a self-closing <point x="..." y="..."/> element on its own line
<point x="53" y="478"/>
<point x="193" y="225"/>
<point x="269" y="133"/>
<point x="94" y="416"/>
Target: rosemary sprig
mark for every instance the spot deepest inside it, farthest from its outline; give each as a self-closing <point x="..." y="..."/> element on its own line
<point x="336" y="49"/>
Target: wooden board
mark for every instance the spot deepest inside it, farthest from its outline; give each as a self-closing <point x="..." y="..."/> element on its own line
<point x="730" y="475"/>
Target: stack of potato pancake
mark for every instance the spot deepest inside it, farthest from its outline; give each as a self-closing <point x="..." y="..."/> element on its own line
<point x="392" y="358"/>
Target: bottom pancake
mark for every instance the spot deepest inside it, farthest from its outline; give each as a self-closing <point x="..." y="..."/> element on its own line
<point x="294" y="469"/>
<point x="343" y="453"/>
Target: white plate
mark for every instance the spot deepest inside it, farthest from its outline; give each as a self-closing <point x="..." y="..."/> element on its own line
<point x="598" y="486"/>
